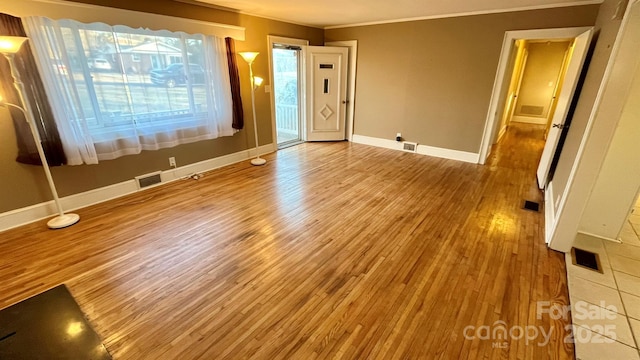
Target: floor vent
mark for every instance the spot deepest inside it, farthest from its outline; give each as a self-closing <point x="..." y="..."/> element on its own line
<point x="586" y="259"/>
<point x="147" y="180"/>
<point x="531" y="205"/>
<point x="410" y="146"/>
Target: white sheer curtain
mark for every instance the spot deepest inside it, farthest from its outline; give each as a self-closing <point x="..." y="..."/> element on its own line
<point x="117" y="91"/>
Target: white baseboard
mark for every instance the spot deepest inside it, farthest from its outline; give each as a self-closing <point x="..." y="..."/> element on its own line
<point x="422" y="149"/>
<point x="529" y="120"/>
<point x="501" y="134"/>
<point x="600" y="237"/>
<point x="29" y="214"/>
<point x="549" y="212"/>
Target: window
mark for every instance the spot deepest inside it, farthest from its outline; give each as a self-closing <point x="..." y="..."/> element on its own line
<point x="126" y="90"/>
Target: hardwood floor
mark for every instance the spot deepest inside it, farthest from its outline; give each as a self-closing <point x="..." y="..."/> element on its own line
<point x="331" y="250"/>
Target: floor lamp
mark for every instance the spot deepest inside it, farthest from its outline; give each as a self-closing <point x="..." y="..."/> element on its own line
<point x="9" y="46"/>
<point x="249" y="56"/>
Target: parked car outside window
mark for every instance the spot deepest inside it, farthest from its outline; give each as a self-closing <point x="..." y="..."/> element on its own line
<point x="99" y="64"/>
<point x="175" y="74"/>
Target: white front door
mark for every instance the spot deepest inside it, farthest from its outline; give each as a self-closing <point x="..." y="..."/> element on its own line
<point x="326" y="93"/>
<point x="578" y="54"/>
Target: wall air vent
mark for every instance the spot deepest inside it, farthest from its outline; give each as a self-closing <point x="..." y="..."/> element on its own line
<point x="147" y="180"/>
<point x="410" y="146"/>
<point x="531" y="110"/>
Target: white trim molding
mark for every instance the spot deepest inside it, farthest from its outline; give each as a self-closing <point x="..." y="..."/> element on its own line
<point x="87" y="13"/>
<point x="15" y="218"/>
<point x="470" y="13"/>
<point x="600" y="237"/>
<point x="422" y="149"/>
<point x="549" y="212"/>
<point x="501" y="134"/>
<point x="352" y="45"/>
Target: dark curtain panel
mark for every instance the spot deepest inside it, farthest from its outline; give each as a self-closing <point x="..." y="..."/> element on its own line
<point x="35" y="95"/>
<point x="238" y="114"/>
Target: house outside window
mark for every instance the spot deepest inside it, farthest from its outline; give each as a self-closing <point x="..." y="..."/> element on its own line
<point x="112" y="94"/>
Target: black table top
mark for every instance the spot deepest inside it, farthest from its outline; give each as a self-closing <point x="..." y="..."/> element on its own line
<point x="49" y="325"/>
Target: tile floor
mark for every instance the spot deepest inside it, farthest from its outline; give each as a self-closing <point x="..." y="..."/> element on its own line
<point x="606" y="306"/>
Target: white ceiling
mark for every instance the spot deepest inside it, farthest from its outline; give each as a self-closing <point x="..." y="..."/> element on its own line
<point x="327" y="13"/>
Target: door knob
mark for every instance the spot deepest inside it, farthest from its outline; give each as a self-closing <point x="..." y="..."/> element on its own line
<point x="559" y="126"/>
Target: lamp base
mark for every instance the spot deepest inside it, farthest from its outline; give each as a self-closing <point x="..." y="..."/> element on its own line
<point x="258" y="161"/>
<point x="63" y="221"/>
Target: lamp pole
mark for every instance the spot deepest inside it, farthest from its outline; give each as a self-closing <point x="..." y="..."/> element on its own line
<point x="62" y="220"/>
<point x="249" y="57"/>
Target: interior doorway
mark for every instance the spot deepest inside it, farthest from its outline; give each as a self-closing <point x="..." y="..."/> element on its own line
<point x="553" y="111"/>
<point x="536" y="74"/>
<point x="536" y="81"/>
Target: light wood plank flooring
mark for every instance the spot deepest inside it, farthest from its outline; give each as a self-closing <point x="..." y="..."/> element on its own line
<point x="331" y="250"/>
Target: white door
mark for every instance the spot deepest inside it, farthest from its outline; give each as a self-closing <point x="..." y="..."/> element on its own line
<point x="326" y="93"/>
<point x="578" y="54"/>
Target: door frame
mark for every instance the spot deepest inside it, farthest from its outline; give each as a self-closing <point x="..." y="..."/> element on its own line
<point x="272" y="39"/>
<point x="508" y="43"/>
<point x="352" y="45"/>
<point x="562" y="225"/>
<point x="512" y="109"/>
<point x="509" y="105"/>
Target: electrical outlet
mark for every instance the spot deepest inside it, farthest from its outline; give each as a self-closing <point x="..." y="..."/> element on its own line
<point x="172" y="162"/>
